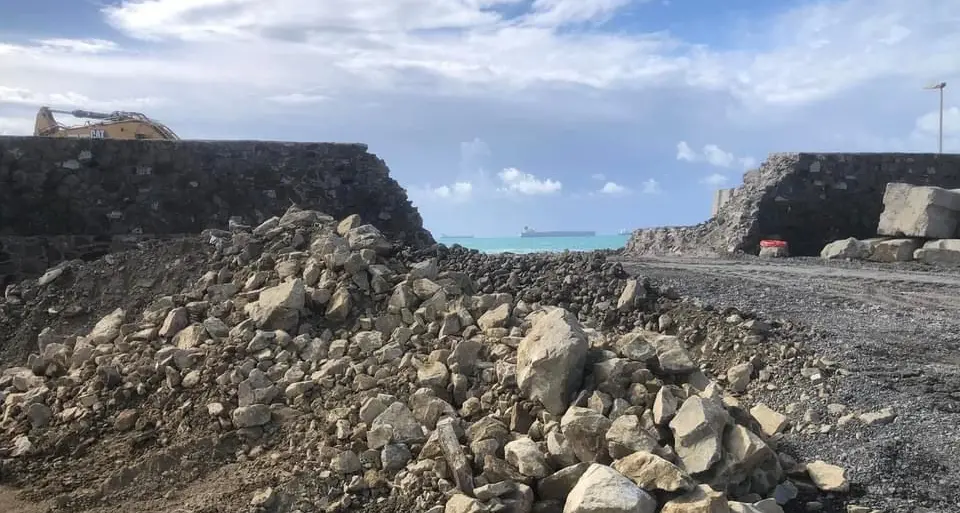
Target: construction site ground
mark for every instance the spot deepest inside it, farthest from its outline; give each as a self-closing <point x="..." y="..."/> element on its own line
<point x="893" y="328"/>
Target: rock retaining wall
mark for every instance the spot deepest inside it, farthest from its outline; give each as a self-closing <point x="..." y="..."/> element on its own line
<point x="69" y="198"/>
<point x="807" y="199"/>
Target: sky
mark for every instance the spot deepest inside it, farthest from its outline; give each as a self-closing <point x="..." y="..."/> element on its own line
<point x="497" y="114"/>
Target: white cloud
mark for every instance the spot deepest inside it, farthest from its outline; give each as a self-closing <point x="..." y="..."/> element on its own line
<point x="516" y="181"/>
<point x="16" y="126"/>
<point x="651" y="186"/>
<point x="77" y="45"/>
<point x="72" y="100"/>
<point x="598" y="176"/>
<point x="457" y="192"/>
<point x="685" y="152"/>
<point x="614" y="189"/>
<point x="563" y="12"/>
<point x="717" y="157"/>
<point x="713" y="155"/>
<point x="715" y="179"/>
<point x="929" y="123"/>
<point x="465" y="47"/>
<point x="297" y="98"/>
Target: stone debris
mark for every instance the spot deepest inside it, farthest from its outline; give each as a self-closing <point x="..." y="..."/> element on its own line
<point x="452" y="380"/>
<point x="827" y="477"/>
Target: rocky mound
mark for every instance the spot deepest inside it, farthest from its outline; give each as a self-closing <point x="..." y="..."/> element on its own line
<point x="316" y="366"/>
<point x="737" y="226"/>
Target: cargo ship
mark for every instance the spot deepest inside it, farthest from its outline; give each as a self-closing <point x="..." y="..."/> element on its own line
<point x="529" y="232"/>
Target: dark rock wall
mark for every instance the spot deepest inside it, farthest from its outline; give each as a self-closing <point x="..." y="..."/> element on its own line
<point x="62" y="197"/>
<point x="807" y="199"/>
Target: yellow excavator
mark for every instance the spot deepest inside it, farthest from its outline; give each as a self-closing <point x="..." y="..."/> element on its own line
<point x="113" y="125"/>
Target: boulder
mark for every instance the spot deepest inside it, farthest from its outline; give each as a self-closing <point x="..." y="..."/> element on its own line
<point x="845" y="249"/>
<point x="278" y="308"/>
<point x="827" y="477"/>
<point x="602" y="489"/>
<point x="944" y="252"/>
<point x="701" y="499"/>
<point x="698" y="430"/>
<point x="524" y="454"/>
<point x="585" y="430"/>
<point x="550" y="360"/>
<point x="894" y="250"/>
<point x="919" y="211"/>
<point x="651" y="472"/>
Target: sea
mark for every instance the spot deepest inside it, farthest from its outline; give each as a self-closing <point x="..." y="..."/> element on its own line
<point x="537" y="244"/>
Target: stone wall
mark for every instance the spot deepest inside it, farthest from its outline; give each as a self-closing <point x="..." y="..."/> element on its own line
<point x="66" y="198"/>
<point x="807" y="199"/>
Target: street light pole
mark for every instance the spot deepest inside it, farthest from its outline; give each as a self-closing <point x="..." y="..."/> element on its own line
<point x="939" y="86"/>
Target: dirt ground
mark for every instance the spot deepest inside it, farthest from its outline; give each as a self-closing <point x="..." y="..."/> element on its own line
<point x="894" y="329"/>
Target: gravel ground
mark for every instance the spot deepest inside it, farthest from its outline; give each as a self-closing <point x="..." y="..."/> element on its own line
<point x="894" y="331"/>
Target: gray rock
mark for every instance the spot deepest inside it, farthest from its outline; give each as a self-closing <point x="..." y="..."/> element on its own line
<point x="496" y="318"/>
<point x="919" y="211"/>
<point x="849" y="248"/>
<point x="251" y="416"/>
<point x="558" y="485"/>
<point x="346" y="462"/>
<point x="702" y="498"/>
<point x="738" y="376"/>
<point x="602" y="489"/>
<point x="626" y="436"/>
<point x="628" y="297"/>
<point x="524" y="454"/>
<point x="697" y="430"/>
<point x="405" y="427"/>
<point x="278" y="308"/>
<point x="635" y="347"/>
<point x="651" y="472"/>
<point x="585" y="430"/>
<point x="395" y="456"/>
<point x="894" y="250"/>
<point x="550" y="360"/>
<point x="671" y="355"/>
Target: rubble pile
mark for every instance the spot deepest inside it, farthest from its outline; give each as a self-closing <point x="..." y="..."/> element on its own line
<point x="340" y="372"/>
<point x="918" y="223"/>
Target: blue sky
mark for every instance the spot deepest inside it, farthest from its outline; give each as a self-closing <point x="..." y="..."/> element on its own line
<point x="495" y="114"/>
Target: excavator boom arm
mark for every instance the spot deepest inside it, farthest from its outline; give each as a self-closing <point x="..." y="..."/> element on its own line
<point x="134" y="123"/>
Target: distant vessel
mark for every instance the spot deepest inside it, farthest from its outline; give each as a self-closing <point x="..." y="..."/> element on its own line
<point x="529" y="232"/>
<point x="445" y="236"/>
<point x="624" y="232"/>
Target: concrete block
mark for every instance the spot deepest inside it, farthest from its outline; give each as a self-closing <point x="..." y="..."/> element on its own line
<point x="919" y="211"/>
<point x="849" y="248"/>
<point x="774" y="252"/>
<point x="935" y="256"/>
<point x="950" y="244"/>
<point x="894" y="250"/>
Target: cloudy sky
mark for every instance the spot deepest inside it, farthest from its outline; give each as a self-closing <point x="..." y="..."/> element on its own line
<point x="494" y="114"/>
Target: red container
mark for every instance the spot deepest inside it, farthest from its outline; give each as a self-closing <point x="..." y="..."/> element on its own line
<point x="768" y="243"/>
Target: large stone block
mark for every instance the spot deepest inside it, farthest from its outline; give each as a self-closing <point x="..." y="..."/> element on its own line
<point x="894" y="250"/>
<point x="919" y="211"/>
<point x="945" y="252"/>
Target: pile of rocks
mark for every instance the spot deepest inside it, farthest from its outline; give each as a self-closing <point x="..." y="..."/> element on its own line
<point x="355" y="373"/>
<point x="918" y="223"/>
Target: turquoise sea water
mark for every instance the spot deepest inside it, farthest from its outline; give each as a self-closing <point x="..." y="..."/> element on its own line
<point x="537" y="244"/>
